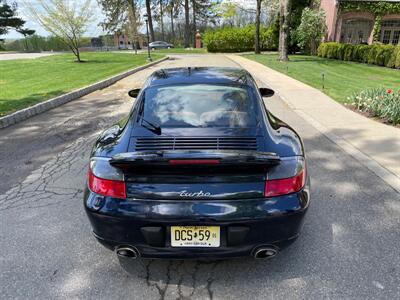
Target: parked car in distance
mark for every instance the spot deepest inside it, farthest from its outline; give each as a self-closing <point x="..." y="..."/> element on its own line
<point x="160" y="45"/>
<point x="198" y="169"/>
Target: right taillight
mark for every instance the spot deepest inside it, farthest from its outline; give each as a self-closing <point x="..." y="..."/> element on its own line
<point x="286" y="178"/>
<point x="285" y="186"/>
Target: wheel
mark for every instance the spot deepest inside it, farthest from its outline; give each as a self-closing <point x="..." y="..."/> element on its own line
<point x="152" y="49"/>
<point x="168" y="47"/>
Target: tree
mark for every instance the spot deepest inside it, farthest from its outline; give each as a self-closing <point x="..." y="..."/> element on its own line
<point x="187" y="24"/>
<point x="8" y="17"/>
<point x="311" y="30"/>
<point x="64" y="19"/>
<point x="122" y="15"/>
<point x="227" y="11"/>
<point x="133" y="23"/>
<point x="296" y="9"/>
<point x="284" y="6"/>
<point x="26" y="32"/>
<point x="173" y="10"/>
<point x="257" y="35"/>
<point x="201" y="12"/>
<point x="194" y="13"/>
<point x="161" y="18"/>
<point x="150" y="20"/>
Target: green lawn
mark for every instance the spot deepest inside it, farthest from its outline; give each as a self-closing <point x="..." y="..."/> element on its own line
<point x="181" y="51"/>
<point x="29" y="81"/>
<point x="341" y="78"/>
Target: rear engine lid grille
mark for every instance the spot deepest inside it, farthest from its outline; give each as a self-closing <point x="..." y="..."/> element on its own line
<point x="196" y="143"/>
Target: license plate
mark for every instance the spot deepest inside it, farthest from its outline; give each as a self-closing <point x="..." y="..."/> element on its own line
<point x="195" y="236"/>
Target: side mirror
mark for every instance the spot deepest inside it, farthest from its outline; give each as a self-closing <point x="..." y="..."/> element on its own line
<point x="134" y="93"/>
<point x="265" y="92"/>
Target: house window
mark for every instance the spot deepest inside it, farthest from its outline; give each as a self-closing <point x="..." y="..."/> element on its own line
<point x="396" y="37"/>
<point x="356" y="31"/>
<point x="390" y="32"/>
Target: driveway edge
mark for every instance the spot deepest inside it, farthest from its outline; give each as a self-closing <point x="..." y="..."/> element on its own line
<point x="41" y="107"/>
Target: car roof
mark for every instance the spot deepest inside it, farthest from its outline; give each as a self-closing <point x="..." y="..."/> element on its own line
<point x="193" y="75"/>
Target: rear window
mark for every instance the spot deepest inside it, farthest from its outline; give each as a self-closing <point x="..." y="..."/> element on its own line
<point x="199" y="105"/>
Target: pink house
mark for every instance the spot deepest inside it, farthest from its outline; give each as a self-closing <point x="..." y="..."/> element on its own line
<point x="354" y="21"/>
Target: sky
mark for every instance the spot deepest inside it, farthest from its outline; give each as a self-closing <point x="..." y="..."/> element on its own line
<point x="93" y="29"/>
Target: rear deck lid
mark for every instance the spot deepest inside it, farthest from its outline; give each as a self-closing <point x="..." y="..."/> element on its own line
<point x="195" y="174"/>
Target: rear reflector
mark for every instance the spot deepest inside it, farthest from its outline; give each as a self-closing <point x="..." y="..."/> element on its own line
<point x="278" y="187"/>
<point x="106" y="187"/>
<point x="194" y="162"/>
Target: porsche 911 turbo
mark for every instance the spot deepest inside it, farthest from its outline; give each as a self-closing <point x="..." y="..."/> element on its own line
<point x="198" y="169"/>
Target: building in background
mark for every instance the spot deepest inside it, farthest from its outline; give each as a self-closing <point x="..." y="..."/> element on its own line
<point x="362" y="22"/>
<point x="122" y="41"/>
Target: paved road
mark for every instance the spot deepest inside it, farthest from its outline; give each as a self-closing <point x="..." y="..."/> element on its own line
<point x="349" y="247"/>
<point x="11" y="56"/>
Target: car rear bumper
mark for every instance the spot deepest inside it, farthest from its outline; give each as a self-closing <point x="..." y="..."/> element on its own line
<point x="245" y="224"/>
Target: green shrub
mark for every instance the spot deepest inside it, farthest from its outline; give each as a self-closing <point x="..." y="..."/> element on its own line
<point x="234" y="39"/>
<point x="360" y="53"/>
<point x="377" y="54"/>
<point x="394" y="60"/>
<point x="348" y="52"/>
<point x="381" y="102"/>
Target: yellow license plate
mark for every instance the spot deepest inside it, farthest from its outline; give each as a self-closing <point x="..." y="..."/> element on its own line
<point x="195" y="236"/>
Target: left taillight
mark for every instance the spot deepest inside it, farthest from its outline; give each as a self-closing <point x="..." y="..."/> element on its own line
<point x="104" y="179"/>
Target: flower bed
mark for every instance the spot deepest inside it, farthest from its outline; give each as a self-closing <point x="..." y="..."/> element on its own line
<point x="380" y="102"/>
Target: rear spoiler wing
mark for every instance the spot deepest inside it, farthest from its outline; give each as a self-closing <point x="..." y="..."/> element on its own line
<point x="195" y="157"/>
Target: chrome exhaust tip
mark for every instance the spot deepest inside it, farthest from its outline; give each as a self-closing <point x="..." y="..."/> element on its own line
<point x="265" y="252"/>
<point x="127" y="252"/>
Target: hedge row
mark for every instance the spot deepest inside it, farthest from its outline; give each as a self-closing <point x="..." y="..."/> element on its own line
<point x="234" y="39"/>
<point x="377" y="54"/>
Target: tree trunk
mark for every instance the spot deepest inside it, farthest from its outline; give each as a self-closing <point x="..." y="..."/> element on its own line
<point x="313" y="47"/>
<point x="151" y="30"/>
<point x="194" y="22"/>
<point x="172" y="24"/>
<point x="26" y="43"/>
<point x="133" y="21"/>
<point x="284" y="29"/>
<point x="162" y="20"/>
<point x="187" y="24"/>
<point x="78" y="55"/>
<point x="75" y="50"/>
<point x="257" y="35"/>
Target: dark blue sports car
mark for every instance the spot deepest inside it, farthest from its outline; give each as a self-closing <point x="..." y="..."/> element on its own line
<point x="199" y="169"/>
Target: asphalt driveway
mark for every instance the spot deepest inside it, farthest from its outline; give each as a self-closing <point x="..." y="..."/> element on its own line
<point x="349" y="247"/>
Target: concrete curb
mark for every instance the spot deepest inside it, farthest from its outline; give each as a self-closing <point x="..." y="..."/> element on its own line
<point x="41" y="107"/>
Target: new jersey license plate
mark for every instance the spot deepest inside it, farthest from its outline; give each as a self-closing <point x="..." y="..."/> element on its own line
<point x="195" y="236"/>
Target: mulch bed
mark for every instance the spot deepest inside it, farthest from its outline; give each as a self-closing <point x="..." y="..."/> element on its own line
<point x="370" y="114"/>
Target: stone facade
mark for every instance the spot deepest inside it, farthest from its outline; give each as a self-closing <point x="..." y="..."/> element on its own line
<point x="357" y="27"/>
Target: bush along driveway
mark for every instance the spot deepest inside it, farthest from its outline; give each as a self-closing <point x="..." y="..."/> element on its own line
<point x="26" y="82"/>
